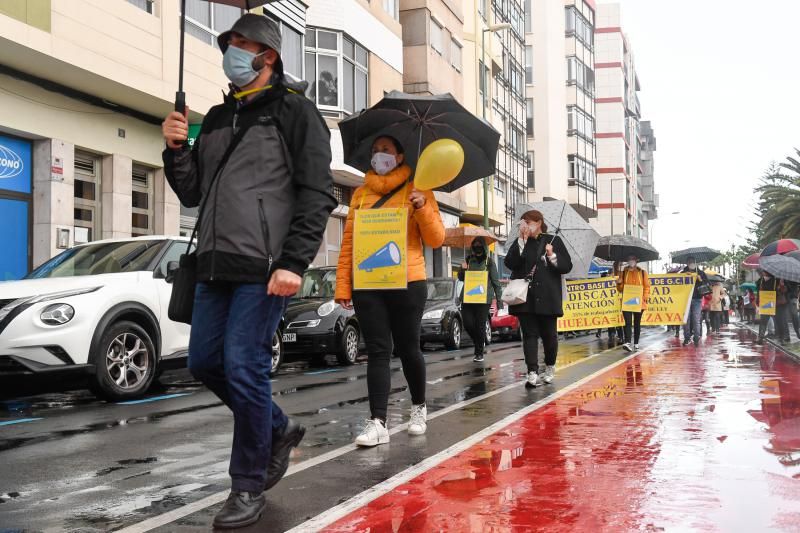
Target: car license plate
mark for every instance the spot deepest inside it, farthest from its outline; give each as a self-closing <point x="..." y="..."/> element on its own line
<point x="290" y="337"/>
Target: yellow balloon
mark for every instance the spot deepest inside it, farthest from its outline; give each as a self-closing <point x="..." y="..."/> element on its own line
<point x="440" y="163"/>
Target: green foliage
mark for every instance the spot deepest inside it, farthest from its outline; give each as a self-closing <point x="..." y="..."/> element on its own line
<point x="779" y="203"/>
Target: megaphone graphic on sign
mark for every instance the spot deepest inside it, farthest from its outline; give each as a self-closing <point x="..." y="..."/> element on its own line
<point x="477" y="291"/>
<point x="633" y="301"/>
<point x="769" y="305"/>
<point x="388" y="256"/>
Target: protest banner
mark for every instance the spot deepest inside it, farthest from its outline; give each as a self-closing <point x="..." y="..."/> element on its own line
<point x="380" y="242"/>
<point x="591" y="304"/>
<point x="670" y="297"/>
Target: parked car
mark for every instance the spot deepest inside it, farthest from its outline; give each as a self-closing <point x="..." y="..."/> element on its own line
<point x="98" y="309"/>
<point x="442" y="320"/>
<point x="504" y="325"/>
<point x="315" y="325"/>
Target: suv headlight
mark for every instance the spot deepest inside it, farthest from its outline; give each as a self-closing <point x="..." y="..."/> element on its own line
<point x="57" y="314"/>
<point x="326" y="308"/>
<point x="30" y="300"/>
<point x="433" y="315"/>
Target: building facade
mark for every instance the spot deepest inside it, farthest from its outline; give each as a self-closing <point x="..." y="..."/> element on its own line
<point x="85" y="84"/>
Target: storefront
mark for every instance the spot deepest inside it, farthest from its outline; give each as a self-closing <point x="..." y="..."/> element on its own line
<point x="15" y="207"/>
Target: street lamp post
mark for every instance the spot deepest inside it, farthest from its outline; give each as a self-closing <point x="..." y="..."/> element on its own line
<point x="482" y="61"/>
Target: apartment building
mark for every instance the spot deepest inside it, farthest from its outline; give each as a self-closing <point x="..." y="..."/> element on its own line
<point x="560" y="79"/>
<point x="626" y="196"/>
<point x="85" y="84"/>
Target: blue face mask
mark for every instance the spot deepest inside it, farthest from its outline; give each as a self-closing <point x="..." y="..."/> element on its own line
<point x="238" y="66"/>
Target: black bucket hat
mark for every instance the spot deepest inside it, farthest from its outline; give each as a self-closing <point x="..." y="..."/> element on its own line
<point x="256" y="28"/>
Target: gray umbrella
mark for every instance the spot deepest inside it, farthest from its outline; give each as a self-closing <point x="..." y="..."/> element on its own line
<point x="579" y="237"/>
<point x="619" y="247"/>
<point x="782" y="267"/>
<point x="702" y="254"/>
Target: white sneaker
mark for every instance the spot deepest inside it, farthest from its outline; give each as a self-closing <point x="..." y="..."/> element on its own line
<point x="374" y="433"/>
<point x="533" y="380"/>
<point x="635" y="346"/>
<point x="627" y="346"/>
<point x="549" y="374"/>
<point x="418" y="423"/>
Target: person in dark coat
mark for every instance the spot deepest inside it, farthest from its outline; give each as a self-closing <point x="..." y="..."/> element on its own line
<point x="542" y="259"/>
<point x="476" y="315"/>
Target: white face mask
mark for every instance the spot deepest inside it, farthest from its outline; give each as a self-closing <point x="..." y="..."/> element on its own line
<point x="632" y="263"/>
<point x="692" y="266"/>
<point x="383" y="163"/>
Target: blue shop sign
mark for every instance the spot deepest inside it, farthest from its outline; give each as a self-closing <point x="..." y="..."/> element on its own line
<point x="15" y="165"/>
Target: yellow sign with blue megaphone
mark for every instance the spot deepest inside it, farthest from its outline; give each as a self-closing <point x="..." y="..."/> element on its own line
<point x="632" y="296"/>
<point x="476" y="283"/>
<point x="439" y="164"/>
<point x="767" y="302"/>
<point x="380" y="243"/>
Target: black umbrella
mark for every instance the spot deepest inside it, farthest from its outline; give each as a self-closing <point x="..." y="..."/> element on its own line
<point x="619" y="247"/>
<point x="180" y="96"/>
<point x="416" y="121"/>
<point x="702" y="254"/>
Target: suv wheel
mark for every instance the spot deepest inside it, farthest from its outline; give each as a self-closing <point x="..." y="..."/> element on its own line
<point x="348" y="351"/>
<point x="125" y="362"/>
<point x="488" y="332"/>
<point x="453" y="340"/>
<point x="277" y="353"/>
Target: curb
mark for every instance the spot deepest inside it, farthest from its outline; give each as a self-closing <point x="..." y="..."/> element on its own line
<point x="785" y="349"/>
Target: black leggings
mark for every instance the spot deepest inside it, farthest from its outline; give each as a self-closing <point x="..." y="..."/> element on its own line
<point x="475" y="317"/>
<point x="533" y="328"/>
<point x="384" y="317"/>
<point x="636" y="319"/>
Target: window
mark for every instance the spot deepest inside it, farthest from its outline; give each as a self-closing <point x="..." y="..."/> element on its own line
<point x="145" y="5"/>
<point x="393" y="8"/>
<point x="141" y="201"/>
<point x="291" y="50"/>
<point x="337" y="67"/>
<point x="530" y="164"/>
<point x="206" y="20"/>
<point x="87" y="198"/>
<point x="437" y="35"/>
<point x="579" y="26"/>
<point x="581" y="172"/>
<point x="529" y="65"/>
<point x="580" y="123"/>
<point x="483" y="82"/>
<point x="580" y="74"/>
<point x="455" y="55"/>
<point x="483" y="9"/>
<point x="528" y="17"/>
<point x="529" y="116"/>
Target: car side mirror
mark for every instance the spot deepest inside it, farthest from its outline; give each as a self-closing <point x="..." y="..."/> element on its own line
<point x="172" y="268"/>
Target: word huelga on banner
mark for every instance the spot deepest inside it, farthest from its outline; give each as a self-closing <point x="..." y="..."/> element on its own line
<point x="380" y="243"/>
<point x="670" y="297"/>
<point x="591" y="304"/>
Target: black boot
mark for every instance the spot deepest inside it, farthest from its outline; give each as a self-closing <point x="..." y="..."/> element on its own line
<point x="241" y="509"/>
<point x="282" y="445"/>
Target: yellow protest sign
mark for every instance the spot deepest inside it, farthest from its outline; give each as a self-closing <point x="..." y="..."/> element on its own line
<point x="476" y="286"/>
<point x="632" y="298"/>
<point x="380" y="243"/>
<point x="767" y="302"/>
<point x="591" y="304"/>
<point x="670" y="297"/>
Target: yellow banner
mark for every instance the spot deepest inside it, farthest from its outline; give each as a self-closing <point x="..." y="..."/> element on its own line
<point x="767" y="302"/>
<point x="476" y="285"/>
<point x="670" y="297"/>
<point x="632" y="298"/>
<point x="591" y="304"/>
<point x="380" y="243"/>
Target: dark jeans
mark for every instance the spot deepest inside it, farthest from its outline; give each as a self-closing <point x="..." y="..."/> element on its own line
<point x="533" y="328"/>
<point x="636" y="320"/>
<point x="475" y="317"/>
<point x="782" y="322"/>
<point x="384" y="317"/>
<point x="693" y="327"/>
<point x="230" y="351"/>
<point x="716" y="320"/>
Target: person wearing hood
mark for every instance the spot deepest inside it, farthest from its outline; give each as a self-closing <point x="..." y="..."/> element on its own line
<point x="767" y="282"/>
<point x="475" y="315"/>
<point x="260" y="173"/>
<point x="391" y="319"/>
<point x="693" y="328"/>
<point x="634" y="275"/>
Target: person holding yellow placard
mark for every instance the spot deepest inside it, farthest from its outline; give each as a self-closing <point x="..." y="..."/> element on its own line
<point x="767" y="302"/>
<point x="634" y="285"/>
<point x="389" y="302"/>
<point x="481" y="286"/>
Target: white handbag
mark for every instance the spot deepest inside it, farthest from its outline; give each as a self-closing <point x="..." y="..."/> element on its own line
<point x="516" y="292"/>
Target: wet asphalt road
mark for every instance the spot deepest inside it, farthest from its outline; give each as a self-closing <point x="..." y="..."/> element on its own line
<point x="84" y="465"/>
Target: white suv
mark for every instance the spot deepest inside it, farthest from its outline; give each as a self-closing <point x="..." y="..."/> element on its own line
<point x="98" y="308"/>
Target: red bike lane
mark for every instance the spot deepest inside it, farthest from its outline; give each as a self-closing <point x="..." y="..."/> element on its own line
<point x="701" y="439"/>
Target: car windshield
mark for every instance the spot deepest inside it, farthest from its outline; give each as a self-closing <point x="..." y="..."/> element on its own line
<point x="318" y="284"/>
<point x="102" y="258"/>
<point x="440" y="290"/>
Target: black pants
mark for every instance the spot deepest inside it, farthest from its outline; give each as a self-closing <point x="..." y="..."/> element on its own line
<point x="533" y="328"/>
<point x="634" y="319"/>
<point x="392" y="319"/>
<point x="475" y="317"/>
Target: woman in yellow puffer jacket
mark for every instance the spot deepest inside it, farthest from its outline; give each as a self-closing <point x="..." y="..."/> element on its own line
<point x="391" y="318"/>
<point x="633" y="274"/>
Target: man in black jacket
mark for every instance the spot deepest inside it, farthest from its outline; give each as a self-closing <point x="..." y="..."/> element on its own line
<point x="693" y="326"/>
<point x="263" y="212"/>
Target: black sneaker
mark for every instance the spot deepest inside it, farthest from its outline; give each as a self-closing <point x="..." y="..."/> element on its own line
<point x="686" y="342"/>
<point x="478" y="358"/>
<point x="241" y="509"/>
<point x="696" y="343"/>
<point x="282" y="446"/>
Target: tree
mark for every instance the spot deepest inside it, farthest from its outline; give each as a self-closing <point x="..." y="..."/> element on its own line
<point x="779" y="205"/>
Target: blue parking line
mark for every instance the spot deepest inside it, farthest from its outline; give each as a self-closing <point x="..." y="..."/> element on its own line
<point x="20" y="421"/>
<point x="323" y="372"/>
<point x="154" y="399"/>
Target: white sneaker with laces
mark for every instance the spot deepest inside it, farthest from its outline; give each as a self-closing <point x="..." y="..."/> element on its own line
<point x="635" y="346"/>
<point x="532" y="381"/>
<point x="627" y="346"/>
<point x="418" y="423"/>
<point x="374" y="433"/>
<point x="549" y="374"/>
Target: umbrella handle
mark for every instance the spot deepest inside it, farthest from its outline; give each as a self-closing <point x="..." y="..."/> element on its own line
<point x="180" y="96"/>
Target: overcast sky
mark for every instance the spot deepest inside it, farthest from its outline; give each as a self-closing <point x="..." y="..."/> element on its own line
<point x="721" y="85"/>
